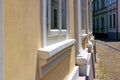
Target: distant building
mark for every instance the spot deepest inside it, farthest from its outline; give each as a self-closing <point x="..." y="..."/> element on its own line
<point x="106" y="18"/>
<point x="100" y="18"/>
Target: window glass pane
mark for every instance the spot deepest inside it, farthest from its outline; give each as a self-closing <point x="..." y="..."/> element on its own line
<point x="110" y="21"/>
<point x="63" y="14"/>
<point x="54" y="14"/>
<point x="114" y="20"/>
<point x="97" y="4"/>
<point x="97" y="24"/>
<point x="102" y="3"/>
<point x="102" y="23"/>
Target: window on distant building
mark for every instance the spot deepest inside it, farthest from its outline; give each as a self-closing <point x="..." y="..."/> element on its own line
<point x="93" y="5"/>
<point x="97" y="25"/>
<point x="55" y="21"/>
<point x="102" y="3"/>
<point x="114" y="20"/>
<point x="94" y="25"/>
<point x="110" y="21"/>
<point x="97" y="4"/>
<point x="114" y="1"/>
<point x="102" y="23"/>
<point x="111" y="1"/>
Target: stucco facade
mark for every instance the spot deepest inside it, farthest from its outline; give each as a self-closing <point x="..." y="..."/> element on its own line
<point x="1" y="43"/>
<point x="111" y="21"/>
<point x="36" y="50"/>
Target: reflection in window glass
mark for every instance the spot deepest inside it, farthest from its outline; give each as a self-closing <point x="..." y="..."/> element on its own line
<point x="110" y="21"/>
<point x="114" y="20"/>
<point x="54" y="14"/>
<point x="63" y="14"/>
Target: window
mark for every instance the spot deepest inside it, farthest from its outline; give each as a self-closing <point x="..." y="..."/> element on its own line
<point x="110" y="1"/>
<point x="93" y="24"/>
<point x="102" y="23"/>
<point x="114" y="1"/>
<point x="114" y="20"/>
<point x="110" y="21"/>
<point x="102" y="3"/>
<point x="94" y="6"/>
<point x="97" y="4"/>
<point x="97" y="25"/>
<point x="55" y="21"/>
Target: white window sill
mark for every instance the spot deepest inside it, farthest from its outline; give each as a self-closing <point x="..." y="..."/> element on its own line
<point x="50" y="55"/>
<point x="49" y="51"/>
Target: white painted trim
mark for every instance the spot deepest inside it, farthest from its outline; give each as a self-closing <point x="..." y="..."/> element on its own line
<point x="57" y="32"/>
<point x="74" y="74"/>
<point x="78" y="24"/>
<point x="1" y="41"/>
<point x="49" y="51"/>
<point x="60" y="14"/>
<point x="44" y="22"/>
<point x="49" y="16"/>
<point x="82" y="58"/>
<point x="52" y="63"/>
<point x="68" y="19"/>
<point x="51" y="55"/>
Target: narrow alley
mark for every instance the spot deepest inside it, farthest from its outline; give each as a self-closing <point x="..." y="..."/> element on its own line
<point x="108" y="60"/>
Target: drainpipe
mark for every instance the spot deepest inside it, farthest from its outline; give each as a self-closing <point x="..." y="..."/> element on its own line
<point x="117" y="19"/>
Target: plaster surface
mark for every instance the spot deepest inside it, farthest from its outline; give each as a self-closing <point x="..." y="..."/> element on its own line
<point x="1" y="43"/>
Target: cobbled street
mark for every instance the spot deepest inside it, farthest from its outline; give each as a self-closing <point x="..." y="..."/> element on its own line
<point x="108" y="60"/>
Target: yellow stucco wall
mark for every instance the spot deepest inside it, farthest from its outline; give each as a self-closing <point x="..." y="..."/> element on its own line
<point x="21" y="38"/>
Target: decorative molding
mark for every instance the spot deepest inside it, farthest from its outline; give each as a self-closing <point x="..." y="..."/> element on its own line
<point x="52" y="63"/>
<point x="49" y="51"/>
<point x="82" y="58"/>
<point x="84" y="36"/>
<point x="51" y="56"/>
<point x="74" y="74"/>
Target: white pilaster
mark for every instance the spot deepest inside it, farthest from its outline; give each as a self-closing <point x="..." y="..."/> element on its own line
<point x="87" y="16"/>
<point x="67" y="19"/>
<point x="60" y="14"/>
<point x="49" y="14"/>
<point x="44" y="22"/>
<point x="78" y="25"/>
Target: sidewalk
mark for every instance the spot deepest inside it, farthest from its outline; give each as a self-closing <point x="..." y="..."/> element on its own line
<point x="108" y="60"/>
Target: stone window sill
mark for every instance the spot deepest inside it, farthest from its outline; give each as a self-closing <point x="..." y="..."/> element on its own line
<point x="51" y="56"/>
<point x="49" y="51"/>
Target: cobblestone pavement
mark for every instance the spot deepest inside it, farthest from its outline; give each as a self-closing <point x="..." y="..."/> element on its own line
<point x="108" y="60"/>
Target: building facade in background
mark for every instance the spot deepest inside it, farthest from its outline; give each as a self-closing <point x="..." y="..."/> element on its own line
<point x="46" y="40"/>
<point x="106" y="18"/>
<point x="100" y="17"/>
